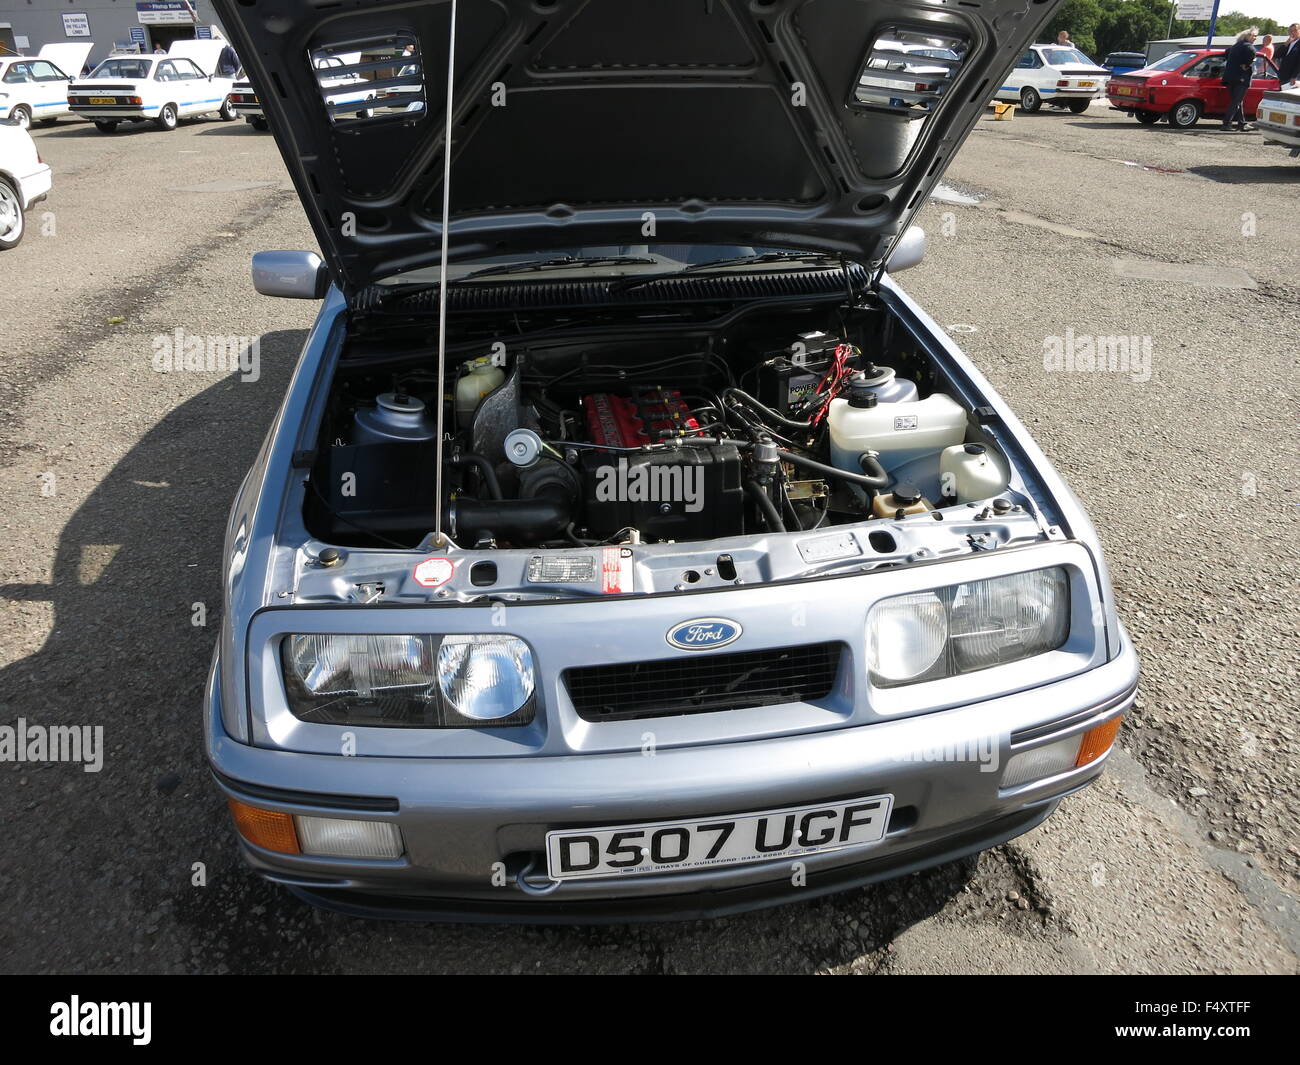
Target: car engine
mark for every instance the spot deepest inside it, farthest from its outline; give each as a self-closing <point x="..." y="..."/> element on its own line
<point x="567" y="446"/>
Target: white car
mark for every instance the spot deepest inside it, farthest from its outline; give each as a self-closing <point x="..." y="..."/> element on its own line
<point x="1278" y="118"/>
<point x="24" y="180"/>
<point x="158" y="88"/>
<point x="35" y="88"/>
<point x="352" y="89"/>
<point x="1060" y="75"/>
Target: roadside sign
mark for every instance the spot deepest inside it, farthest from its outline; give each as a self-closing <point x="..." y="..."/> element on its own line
<point x="1195" y="10"/>
<point x="76" y="25"/>
<point x="163" y="12"/>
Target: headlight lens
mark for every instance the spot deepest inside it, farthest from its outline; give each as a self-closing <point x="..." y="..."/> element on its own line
<point x="905" y="637"/>
<point x="485" y="677"/>
<point x="967" y="627"/>
<point x="408" y="681"/>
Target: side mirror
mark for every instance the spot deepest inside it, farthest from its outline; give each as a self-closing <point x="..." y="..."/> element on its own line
<point x="295" y="275"/>
<point x="909" y="250"/>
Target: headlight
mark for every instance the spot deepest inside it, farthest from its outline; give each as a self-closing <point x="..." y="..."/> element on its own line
<point x="486" y="678"/>
<point x="409" y="681"/>
<point x="905" y="637"/>
<point x="967" y="627"/>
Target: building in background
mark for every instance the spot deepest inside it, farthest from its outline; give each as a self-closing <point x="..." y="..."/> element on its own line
<point x="142" y="25"/>
<point x="1157" y="50"/>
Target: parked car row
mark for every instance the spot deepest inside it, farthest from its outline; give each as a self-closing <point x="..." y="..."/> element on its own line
<point x="1182" y="88"/>
<point x="126" y="87"/>
<point x="161" y="89"/>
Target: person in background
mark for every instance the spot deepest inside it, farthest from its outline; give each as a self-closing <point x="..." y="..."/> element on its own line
<point x="1238" y="65"/>
<point x="1063" y="39"/>
<point x="1265" y="46"/>
<point x="158" y="49"/>
<point x="1288" y="58"/>
<point x="228" y="62"/>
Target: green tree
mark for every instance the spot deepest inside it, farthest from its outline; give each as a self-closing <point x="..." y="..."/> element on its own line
<point x="1099" y="27"/>
<point x="1080" y="18"/>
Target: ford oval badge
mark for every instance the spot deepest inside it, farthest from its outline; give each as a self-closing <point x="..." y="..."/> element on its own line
<point x="700" y="634"/>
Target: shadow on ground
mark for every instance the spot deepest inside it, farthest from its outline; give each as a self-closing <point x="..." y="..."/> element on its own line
<point x="103" y="867"/>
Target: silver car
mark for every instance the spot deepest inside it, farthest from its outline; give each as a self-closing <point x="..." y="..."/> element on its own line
<point x="629" y="544"/>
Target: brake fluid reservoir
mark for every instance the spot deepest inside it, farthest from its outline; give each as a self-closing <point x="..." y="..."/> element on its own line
<point x="905" y="499"/>
<point x="970" y="472"/>
<point x="480" y="378"/>
<point x="898" y="432"/>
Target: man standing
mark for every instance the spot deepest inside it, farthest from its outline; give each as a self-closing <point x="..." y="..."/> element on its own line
<point x="228" y="62"/>
<point x="1288" y="58"/>
<point x="1238" y="66"/>
<point x="1063" y="39"/>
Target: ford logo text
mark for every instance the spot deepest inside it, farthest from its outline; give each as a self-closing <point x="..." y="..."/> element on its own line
<point x="699" y="634"/>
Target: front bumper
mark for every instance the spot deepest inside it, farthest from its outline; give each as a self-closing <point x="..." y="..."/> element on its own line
<point x="474" y="828"/>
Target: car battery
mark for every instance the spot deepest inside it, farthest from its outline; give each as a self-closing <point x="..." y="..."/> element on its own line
<point x="788" y="378"/>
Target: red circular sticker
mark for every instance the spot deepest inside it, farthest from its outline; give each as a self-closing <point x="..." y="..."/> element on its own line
<point x="434" y="571"/>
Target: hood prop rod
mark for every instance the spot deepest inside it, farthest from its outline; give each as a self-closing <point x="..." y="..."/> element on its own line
<point x="438" y="539"/>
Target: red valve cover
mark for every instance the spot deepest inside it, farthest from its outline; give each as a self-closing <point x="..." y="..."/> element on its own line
<point x="616" y="421"/>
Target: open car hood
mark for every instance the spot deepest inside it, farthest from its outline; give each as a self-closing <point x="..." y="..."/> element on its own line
<point x="68" y="56"/>
<point x="622" y="122"/>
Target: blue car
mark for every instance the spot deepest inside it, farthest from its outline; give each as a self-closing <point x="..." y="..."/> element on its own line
<point x="629" y="544"/>
<point x="1124" y="62"/>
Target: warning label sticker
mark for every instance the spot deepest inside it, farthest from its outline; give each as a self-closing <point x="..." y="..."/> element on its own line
<point x="616" y="570"/>
<point x="433" y="572"/>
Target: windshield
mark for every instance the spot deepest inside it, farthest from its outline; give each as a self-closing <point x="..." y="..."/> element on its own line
<point x="122" y="68"/>
<point x="1062" y="56"/>
<point x="606" y="260"/>
<point x="1172" y="62"/>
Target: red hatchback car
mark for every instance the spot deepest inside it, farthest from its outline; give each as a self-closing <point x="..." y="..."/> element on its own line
<point x="1184" y="86"/>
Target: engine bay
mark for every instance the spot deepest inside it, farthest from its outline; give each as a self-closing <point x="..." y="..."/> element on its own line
<point x="559" y="439"/>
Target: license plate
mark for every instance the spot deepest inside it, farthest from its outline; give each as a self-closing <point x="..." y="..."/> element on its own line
<point x="678" y="846"/>
<point x="1121" y="90"/>
<point x="1086" y="84"/>
<point x="1273" y="116"/>
<point x="103" y="100"/>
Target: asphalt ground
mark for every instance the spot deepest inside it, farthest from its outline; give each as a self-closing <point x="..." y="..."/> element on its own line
<point x="116" y="480"/>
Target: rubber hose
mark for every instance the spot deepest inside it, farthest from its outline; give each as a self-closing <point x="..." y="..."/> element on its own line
<point x="877" y="479"/>
<point x="771" y="516"/>
<point x="485" y="470"/>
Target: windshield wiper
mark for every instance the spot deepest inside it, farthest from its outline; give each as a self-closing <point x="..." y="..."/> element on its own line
<point x="764" y="257"/>
<point x="402" y="290"/>
<point x="566" y="260"/>
<point x="817" y="257"/>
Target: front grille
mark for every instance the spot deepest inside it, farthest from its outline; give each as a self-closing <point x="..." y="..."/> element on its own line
<point x="704" y="683"/>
